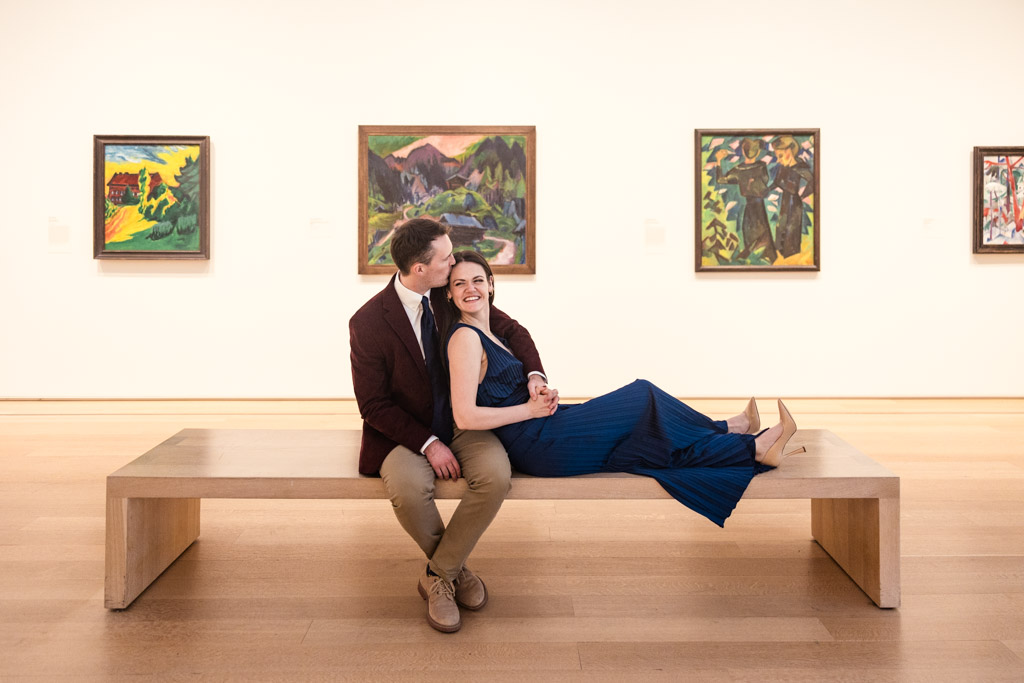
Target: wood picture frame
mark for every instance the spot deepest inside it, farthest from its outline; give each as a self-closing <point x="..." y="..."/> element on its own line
<point x="151" y="197"/>
<point x="757" y="200"/>
<point x="998" y="200"/>
<point x="480" y="180"/>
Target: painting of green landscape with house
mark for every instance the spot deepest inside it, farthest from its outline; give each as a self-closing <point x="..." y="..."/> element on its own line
<point x="151" y="201"/>
<point x="476" y="183"/>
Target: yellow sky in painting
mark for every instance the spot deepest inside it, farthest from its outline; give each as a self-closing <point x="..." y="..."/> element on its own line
<point x="174" y="158"/>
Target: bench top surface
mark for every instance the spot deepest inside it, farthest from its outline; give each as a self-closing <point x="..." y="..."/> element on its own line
<point x="257" y="463"/>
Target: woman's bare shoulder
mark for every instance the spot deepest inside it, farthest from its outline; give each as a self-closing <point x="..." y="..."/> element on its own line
<point x="465" y="338"/>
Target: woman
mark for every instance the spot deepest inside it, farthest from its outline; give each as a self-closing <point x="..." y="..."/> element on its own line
<point x="703" y="464"/>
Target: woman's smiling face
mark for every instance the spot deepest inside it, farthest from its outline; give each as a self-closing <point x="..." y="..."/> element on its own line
<point x="470" y="287"/>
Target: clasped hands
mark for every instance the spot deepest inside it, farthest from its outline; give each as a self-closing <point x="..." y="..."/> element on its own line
<point x="543" y="402"/>
<point x="543" y="399"/>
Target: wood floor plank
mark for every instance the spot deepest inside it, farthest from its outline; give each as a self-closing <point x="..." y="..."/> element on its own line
<point x="932" y="627"/>
<point x="963" y="657"/>
<point x="852" y="674"/>
<point x="231" y="654"/>
<point x="722" y="605"/>
<point x="487" y="629"/>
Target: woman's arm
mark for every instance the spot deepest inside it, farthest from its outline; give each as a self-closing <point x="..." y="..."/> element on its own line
<point x="465" y="354"/>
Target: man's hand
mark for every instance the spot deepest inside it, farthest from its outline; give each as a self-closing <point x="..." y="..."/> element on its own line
<point x="535" y="384"/>
<point x="539" y="390"/>
<point x="443" y="461"/>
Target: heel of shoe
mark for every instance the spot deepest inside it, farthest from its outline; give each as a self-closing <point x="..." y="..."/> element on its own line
<point x="773" y="456"/>
<point x="753" y="416"/>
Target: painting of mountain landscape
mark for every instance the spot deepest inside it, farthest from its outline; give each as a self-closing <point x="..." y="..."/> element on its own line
<point x="479" y="181"/>
<point x="151" y="196"/>
<point x="757" y="199"/>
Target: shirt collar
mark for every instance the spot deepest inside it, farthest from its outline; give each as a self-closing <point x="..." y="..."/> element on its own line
<point x="409" y="298"/>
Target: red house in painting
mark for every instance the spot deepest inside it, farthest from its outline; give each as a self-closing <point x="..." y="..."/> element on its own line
<point x="128" y="182"/>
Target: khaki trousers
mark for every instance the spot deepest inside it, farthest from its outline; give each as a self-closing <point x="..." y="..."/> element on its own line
<point x="409" y="480"/>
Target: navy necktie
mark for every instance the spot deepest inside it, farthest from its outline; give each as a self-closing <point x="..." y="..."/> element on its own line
<point x="441" y="423"/>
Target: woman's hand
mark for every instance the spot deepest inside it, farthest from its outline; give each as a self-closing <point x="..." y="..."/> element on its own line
<point x="539" y="407"/>
<point x="549" y="396"/>
<point x="539" y="388"/>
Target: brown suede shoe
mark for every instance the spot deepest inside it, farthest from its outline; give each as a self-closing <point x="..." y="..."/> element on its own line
<point x="470" y="591"/>
<point x="442" y="612"/>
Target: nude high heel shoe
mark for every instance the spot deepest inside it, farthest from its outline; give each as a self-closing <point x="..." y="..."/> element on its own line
<point x="753" y="416"/>
<point x="773" y="456"/>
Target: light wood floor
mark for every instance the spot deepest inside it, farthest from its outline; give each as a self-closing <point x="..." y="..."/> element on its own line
<point x="587" y="590"/>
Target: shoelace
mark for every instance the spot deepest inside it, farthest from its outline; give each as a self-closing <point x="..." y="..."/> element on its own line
<point x="442" y="587"/>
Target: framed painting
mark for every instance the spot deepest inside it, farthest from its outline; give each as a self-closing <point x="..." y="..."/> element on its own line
<point x="998" y="200"/>
<point x="757" y="200"/>
<point x="151" y="197"/>
<point x="479" y="180"/>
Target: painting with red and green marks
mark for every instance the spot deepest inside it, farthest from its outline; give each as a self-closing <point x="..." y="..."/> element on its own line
<point x="998" y="200"/>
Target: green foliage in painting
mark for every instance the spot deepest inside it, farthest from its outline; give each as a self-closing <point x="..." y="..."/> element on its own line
<point x="383" y="145"/>
<point x="449" y="202"/>
<point x="156" y="211"/>
<point x="453" y="201"/>
<point x="186" y="225"/>
<point x="188" y="181"/>
<point x="143" y="241"/>
<point x="161" y="230"/>
<point x="489" y="248"/>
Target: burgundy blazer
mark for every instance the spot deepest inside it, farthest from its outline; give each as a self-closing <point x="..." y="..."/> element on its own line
<point x="390" y="377"/>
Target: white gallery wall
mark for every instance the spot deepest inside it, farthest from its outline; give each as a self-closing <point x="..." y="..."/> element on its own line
<point x="902" y="92"/>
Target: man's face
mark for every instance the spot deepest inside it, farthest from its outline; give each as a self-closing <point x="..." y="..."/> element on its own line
<point x="437" y="270"/>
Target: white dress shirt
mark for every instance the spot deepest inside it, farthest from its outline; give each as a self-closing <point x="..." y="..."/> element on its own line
<point x="413" y="304"/>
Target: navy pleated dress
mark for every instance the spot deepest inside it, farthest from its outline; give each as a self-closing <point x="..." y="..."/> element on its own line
<point x="638" y="428"/>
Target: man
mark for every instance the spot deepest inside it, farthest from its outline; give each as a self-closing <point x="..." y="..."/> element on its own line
<point x="408" y="433"/>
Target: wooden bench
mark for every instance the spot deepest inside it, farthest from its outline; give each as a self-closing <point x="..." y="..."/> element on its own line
<point x="153" y="501"/>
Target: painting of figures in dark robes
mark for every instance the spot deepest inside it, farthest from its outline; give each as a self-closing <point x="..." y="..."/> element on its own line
<point x="477" y="180"/>
<point x="757" y="200"/>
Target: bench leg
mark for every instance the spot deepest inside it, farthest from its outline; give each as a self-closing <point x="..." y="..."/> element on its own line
<point x="144" y="536"/>
<point x="863" y="536"/>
